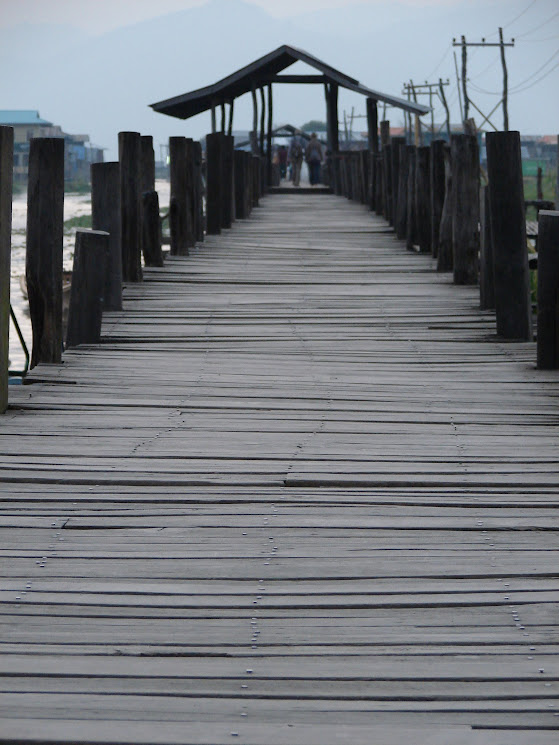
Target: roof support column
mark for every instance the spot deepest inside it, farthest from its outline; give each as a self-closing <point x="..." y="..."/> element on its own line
<point x="230" y="126"/>
<point x="269" y="137"/>
<point x="372" y="131"/>
<point x="254" y="133"/>
<point x="331" y="93"/>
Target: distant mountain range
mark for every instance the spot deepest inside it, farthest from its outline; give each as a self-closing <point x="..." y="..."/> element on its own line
<point x="102" y="84"/>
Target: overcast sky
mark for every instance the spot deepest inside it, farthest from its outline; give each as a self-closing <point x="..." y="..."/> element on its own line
<point x="126" y="54"/>
<point x="104" y="15"/>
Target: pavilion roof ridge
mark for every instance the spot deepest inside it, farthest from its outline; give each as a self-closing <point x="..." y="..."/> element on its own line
<point x="258" y="73"/>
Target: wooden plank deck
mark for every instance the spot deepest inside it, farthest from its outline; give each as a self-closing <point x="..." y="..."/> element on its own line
<point x="299" y="495"/>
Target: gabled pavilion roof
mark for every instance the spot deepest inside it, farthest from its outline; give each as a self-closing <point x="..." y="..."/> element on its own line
<point x="263" y="71"/>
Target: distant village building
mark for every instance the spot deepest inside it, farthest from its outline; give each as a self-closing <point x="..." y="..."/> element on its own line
<point x="27" y="124"/>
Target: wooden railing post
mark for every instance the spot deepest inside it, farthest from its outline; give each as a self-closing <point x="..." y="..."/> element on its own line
<point x="396" y="144"/>
<point x="6" y="186"/>
<point x="411" y="222"/>
<point x="423" y="198"/>
<point x="401" y="216"/>
<point x="198" y="191"/>
<point x="445" y="258"/>
<point x="437" y="179"/>
<point x="548" y="290"/>
<point x="508" y="226"/>
<point x="379" y="184"/>
<point x="178" y="214"/>
<point x="105" y="216"/>
<point x="465" y="217"/>
<point x="88" y="283"/>
<point x="151" y="230"/>
<point x="214" y="185"/>
<point x="241" y="193"/>
<point x="387" y="173"/>
<point x="486" y="273"/>
<point x="255" y="174"/>
<point x="227" y="176"/>
<point x="43" y="264"/>
<point x="130" y="205"/>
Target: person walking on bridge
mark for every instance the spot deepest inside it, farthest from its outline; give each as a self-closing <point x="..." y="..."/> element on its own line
<point x="314" y="157"/>
<point x="296" y="152"/>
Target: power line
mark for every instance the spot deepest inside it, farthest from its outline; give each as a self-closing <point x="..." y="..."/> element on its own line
<point x="521" y="90"/>
<point x="520" y="14"/>
<point x="537" y="28"/>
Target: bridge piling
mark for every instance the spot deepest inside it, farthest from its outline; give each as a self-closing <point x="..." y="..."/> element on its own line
<point x="6" y="171"/>
<point x="548" y="290"/>
<point x="105" y="216"/>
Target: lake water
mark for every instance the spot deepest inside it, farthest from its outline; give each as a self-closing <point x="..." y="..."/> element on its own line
<point x="75" y="205"/>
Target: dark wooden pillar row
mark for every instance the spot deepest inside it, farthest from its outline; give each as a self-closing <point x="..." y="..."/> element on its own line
<point x="396" y="144"/>
<point x="43" y="263"/>
<point x="385" y="161"/>
<point x="548" y="290"/>
<point x="130" y="205"/>
<point x="6" y="186"/>
<point x="437" y="192"/>
<point x="401" y="213"/>
<point x="445" y="259"/>
<point x="508" y="226"/>
<point x="85" y="313"/>
<point x="198" y="190"/>
<point x="151" y="232"/>
<point x="423" y="198"/>
<point x="486" y="263"/>
<point x="269" y="137"/>
<point x="372" y="131"/>
<point x="465" y="217"/>
<point x="178" y="219"/>
<point x="214" y="183"/>
<point x="105" y="216"/>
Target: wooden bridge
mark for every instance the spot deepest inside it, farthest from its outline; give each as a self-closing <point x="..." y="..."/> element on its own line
<point x="299" y="494"/>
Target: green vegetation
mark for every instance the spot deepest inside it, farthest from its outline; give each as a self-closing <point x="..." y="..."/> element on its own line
<point x="530" y="190"/>
<point x="81" y="221"/>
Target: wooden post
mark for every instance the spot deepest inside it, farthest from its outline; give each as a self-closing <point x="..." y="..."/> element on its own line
<point x="231" y="110"/>
<point x="43" y="265"/>
<point x="465" y="217"/>
<point x="151" y="231"/>
<point x="401" y="216"/>
<point x="151" y="238"/>
<point x="411" y="225"/>
<point x="486" y="275"/>
<point x="386" y="170"/>
<point x="227" y="176"/>
<point x="190" y="196"/>
<point x="269" y="137"/>
<point x="379" y="181"/>
<point x="88" y="283"/>
<point x="198" y="191"/>
<point x="262" y="121"/>
<point x="423" y="198"/>
<point x="437" y="183"/>
<point x="445" y="257"/>
<point x="147" y="157"/>
<point x="6" y="186"/>
<point x="178" y="219"/>
<point x="508" y="225"/>
<point x="214" y="197"/>
<point x="557" y="177"/>
<point x="548" y="290"/>
<point x="255" y="180"/>
<point x="105" y="216"/>
<point x="240" y="185"/>
<point x="372" y="130"/>
<point x="130" y="205"/>
<point x="395" y="171"/>
<point x="222" y="107"/>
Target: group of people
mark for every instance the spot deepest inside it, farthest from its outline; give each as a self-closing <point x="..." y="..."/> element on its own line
<point x="299" y="150"/>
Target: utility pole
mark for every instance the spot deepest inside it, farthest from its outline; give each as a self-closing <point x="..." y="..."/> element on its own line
<point x="501" y="44"/>
<point x="428" y="89"/>
<point x="445" y="104"/>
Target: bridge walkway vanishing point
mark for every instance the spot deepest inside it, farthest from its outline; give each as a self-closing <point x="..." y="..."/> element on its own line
<point x="299" y="494"/>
